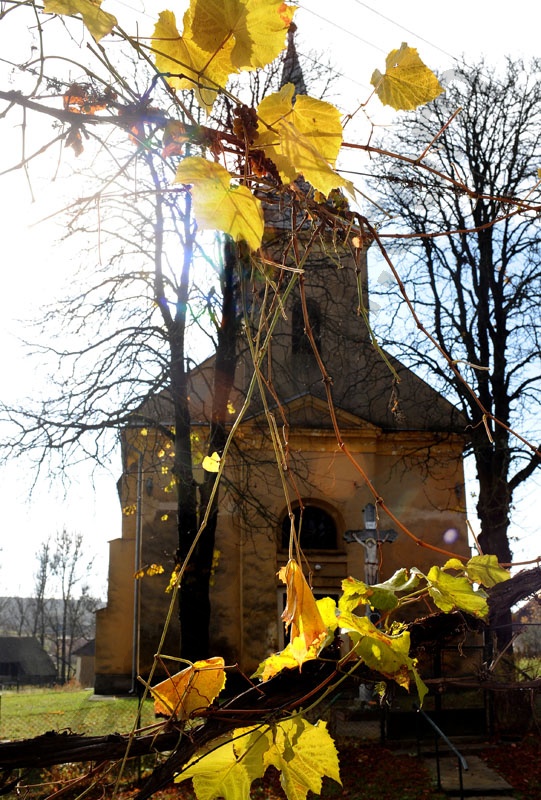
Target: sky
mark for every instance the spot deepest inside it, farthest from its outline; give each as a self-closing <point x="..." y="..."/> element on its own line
<point x="355" y="37"/>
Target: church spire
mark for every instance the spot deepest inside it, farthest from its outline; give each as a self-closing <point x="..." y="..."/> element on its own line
<point x="292" y="70"/>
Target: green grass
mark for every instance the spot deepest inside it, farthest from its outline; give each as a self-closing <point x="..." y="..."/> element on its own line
<point x="529" y="666"/>
<point x="30" y="713"/>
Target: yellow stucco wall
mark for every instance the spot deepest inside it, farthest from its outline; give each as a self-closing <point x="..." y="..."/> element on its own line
<point x="427" y="498"/>
<point x="420" y="480"/>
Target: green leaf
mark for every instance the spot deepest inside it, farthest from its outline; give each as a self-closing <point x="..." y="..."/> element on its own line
<point x="219" y="204"/>
<point x="486" y="571"/>
<point x="402" y="581"/>
<point x="98" y="22"/>
<point x="304" y="754"/>
<point x="382" y="596"/>
<point x="454" y="563"/>
<point x="449" y="593"/>
<point x="354" y="593"/>
<point x="387" y="654"/>
<point x="407" y="82"/>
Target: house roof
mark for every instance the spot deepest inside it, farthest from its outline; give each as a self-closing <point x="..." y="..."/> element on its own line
<point x="362" y="390"/>
<point x="86" y="649"/>
<point x="366" y="382"/>
<point x="28" y="654"/>
<point x="365" y="395"/>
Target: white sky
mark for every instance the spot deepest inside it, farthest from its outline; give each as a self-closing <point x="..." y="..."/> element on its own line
<point x="356" y="36"/>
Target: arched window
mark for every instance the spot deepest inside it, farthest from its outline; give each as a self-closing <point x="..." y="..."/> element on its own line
<point x="318" y="531"/>
<point x="300" y="344"/>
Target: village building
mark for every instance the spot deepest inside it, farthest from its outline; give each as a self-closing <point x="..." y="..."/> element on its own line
<point x="24" y="662"/>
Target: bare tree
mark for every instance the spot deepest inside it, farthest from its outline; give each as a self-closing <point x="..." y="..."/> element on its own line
<point x="69" y="568"/>
<point x="40" y="591"/>
<point x="473" y="268"/>
<point x="128" y="326"/>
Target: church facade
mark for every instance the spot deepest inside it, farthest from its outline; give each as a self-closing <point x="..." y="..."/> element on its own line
<point x="387" y="440"/>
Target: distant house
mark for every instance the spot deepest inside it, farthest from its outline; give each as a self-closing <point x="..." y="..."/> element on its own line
<point x="84" y="663"/>
<point x="24" y="662"/>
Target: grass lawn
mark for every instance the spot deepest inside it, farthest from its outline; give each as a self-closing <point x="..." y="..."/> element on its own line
<point x="30" y="713"/>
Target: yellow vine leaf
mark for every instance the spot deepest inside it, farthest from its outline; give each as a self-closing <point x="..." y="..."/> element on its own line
<point x="230" y="766"/>
<point x="257" y="29"/>
<point x="219" y="38"/>
<point x="407" y="82"/>
<point x="312" y="624"/>
<point x="219" y="774"/>
<point x="304" y="754"/>
<point x="212" y="463"/>
<point x="385" y="653"/>
<point x="451" y="592"/>
<point x="155" y="569"/>
<point x="193" y="689"/>
<point x="98" y="22"/>
<point x="173" y="580"/>
<point x="190" y="66"/>
<point x="486" y="571"/>
<point x="301" y="611"/>
<point x="219" y="204"/>
<point x="302" y="138"/>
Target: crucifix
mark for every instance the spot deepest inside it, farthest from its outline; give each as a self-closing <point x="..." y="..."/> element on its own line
<point x="371" y="539"/>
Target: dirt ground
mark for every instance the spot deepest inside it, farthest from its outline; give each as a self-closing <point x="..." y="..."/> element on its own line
<point x="372" y="772"/>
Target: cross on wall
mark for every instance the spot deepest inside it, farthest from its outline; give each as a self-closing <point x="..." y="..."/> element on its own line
<point x="371" y="539"/>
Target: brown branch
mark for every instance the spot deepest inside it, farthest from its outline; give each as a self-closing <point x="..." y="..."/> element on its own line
<point x="504" y="596"/>
<point x="414" y="162"/>
<point x="60" y="748"/>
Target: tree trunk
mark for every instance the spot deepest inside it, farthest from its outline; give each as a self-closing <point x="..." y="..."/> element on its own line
<point x="195" y="608"/>
<point x="493" y="512"/>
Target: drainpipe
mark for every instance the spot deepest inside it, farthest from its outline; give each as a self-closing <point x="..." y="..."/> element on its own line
<point x="137" y="567"/>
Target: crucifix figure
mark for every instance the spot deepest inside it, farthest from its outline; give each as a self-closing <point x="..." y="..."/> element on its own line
<point x="370" y="538"/>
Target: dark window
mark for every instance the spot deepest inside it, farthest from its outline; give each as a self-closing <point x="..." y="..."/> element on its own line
<point x="318" y="531"/>
<point x="9" y="669"/>
<point x="300" y="344"/>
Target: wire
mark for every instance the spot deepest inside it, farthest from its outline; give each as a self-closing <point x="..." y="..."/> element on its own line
<point x="340" y="28"/>
<point x="407" y="30"/>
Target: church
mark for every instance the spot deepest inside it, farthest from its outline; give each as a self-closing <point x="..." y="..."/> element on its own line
<point x="386" y="442"/>
<point x="400" y="433"/>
